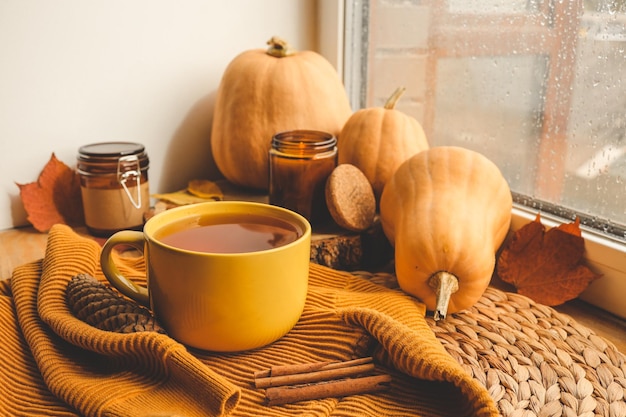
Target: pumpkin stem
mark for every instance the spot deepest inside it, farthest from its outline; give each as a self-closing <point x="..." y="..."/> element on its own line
<point x="445" y="284"/>
<point x="279" y="48"/>
<point x="390" y="104"/>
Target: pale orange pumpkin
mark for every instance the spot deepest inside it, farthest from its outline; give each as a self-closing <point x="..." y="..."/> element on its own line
<point x="264" y="92"/>
<point x="446" y="211"/>
<point x="378" y="139"/>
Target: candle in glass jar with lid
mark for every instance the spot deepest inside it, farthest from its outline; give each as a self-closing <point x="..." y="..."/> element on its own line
<point x="300" y="162"/>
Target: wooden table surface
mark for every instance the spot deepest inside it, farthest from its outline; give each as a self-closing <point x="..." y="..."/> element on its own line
<point x="22" y="245"/>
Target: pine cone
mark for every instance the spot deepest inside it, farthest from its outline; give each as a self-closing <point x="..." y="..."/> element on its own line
<point x="101" y="307"/>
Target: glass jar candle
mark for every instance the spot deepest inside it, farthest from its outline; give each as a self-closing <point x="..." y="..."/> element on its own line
<point x="114" y="186"/>
<point x="300" y="162"/>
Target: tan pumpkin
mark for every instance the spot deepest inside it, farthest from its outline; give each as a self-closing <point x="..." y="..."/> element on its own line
<point x="264" y="92"/>
<point x="378" y="139"/>
<point x="446" y="211"/>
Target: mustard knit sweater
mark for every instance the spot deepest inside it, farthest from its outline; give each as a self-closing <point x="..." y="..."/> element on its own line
<point x="53" y="364"/>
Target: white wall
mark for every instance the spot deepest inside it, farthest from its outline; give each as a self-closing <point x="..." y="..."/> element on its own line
<point x="75" y="72"/>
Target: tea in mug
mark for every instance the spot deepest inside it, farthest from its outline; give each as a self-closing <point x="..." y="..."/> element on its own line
<point x="225" y="233"/>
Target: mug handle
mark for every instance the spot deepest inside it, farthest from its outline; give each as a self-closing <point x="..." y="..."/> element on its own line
<point x="111" y="271"/>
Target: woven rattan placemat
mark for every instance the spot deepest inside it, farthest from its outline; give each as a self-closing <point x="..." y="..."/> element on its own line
<point x="533" y="360"/>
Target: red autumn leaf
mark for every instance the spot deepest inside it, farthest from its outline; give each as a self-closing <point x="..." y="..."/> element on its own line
<point x="54" y="197"/>
<point x="546" y="266"/>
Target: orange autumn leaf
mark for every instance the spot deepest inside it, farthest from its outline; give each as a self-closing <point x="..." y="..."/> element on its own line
<point x="54" y="197"/>
<point x="546" y="266"/>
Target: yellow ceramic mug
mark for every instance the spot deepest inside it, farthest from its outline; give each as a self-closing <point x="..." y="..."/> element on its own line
<point x="241" y="299"/>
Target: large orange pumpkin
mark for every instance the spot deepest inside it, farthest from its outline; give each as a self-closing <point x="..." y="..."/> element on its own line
<point x="264" y="92"/>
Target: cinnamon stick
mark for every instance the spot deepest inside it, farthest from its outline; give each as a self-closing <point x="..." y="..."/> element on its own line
<point x="340" y="388"/>
<point x="293" y="383"/>
<point x="299" y="368"/>
<point x="316" y="376"/>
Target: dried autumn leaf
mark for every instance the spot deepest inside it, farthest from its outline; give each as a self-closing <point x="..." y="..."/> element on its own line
<point x="205" y="189"/>
<point x="54" y="197"/>
<point x="546" y="266"/>
<point x="180" y="198"/>
<point x="197" y="191"/>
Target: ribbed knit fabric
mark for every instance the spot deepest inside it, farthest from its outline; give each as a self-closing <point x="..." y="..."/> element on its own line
<point x="52" y="364"/>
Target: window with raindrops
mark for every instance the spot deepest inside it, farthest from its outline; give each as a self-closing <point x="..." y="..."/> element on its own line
<point x="539" y="87"/>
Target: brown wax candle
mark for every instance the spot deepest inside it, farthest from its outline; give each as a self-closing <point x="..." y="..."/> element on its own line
<point x="300" y="163"/>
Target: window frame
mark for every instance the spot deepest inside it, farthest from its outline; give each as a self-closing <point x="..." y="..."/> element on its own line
<point x="337" y="35"/>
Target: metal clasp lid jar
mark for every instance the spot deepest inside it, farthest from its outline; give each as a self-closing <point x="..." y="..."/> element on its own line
<point x="114" y="186"/>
